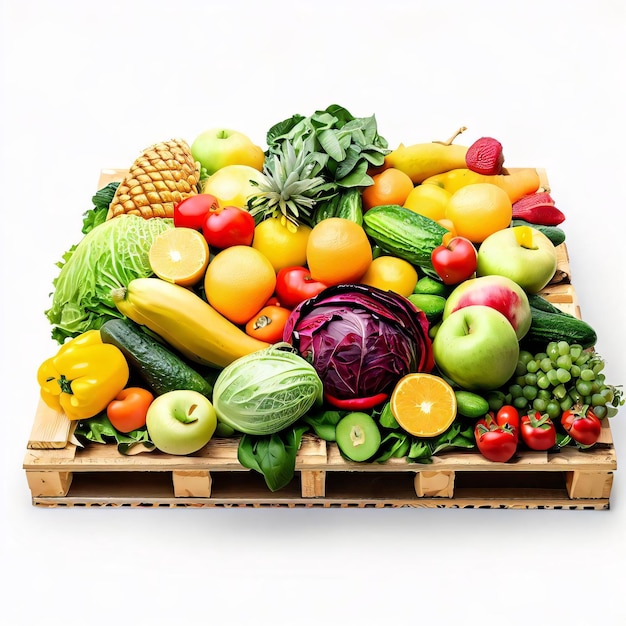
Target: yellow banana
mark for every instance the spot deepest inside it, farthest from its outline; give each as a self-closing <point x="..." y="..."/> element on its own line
<point x="185" y="321"/>
<point x="421" y="160"/>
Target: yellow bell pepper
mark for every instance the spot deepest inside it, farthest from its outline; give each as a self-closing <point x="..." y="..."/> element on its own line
<point x="83" y="377"/>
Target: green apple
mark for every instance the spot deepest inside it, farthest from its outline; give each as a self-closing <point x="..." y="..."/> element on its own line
<point x="181" y="421"/>
<point x="476" y="348"/>
<point x="498" y="292"/>
<point x="218" y="147"/>
<point x="521" y="253"/>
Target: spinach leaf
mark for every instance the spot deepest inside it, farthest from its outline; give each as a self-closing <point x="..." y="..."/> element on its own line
<point x="98" y="429"/>
<point x="273" y="456"/>
<point x="324" y="423"/>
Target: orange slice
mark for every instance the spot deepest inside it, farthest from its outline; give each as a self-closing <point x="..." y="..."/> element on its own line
<point x="423" y="404"/>
<point x="179" y="255"/>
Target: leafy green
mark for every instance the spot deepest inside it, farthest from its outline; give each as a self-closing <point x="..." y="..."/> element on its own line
<point x="98" y="429"/>
<point x="109" y="256"/>
<point x="101" y="202"/>
<point x="457" y="436"/>
<point x="347" y="145"/>
<point x="273" y="456"/>
<point x="324" y="423"/>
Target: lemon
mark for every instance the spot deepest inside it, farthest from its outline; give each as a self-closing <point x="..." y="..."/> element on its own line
<point x="428" y="200"/>
<point x="282" y="246"/>
<point x="231" y="185"/>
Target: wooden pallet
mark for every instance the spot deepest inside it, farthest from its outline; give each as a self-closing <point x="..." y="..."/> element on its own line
<point x="61" y="473"/>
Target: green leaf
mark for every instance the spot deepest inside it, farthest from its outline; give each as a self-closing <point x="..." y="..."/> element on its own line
<point x="98" y="429"/>
<point x="273" y="456"/>
<point x="330" y="143"/>
<point x="386" y="419"/>
<point x="324" y="423"/>
<point x="357" y="178"/>
<point x="394" y="445"/>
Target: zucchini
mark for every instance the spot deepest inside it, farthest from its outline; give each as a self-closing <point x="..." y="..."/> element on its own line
<point x="404" y="233"/>
<point x="555" y="234"/>
<point x="160" y="368"/>
<point x="548" y="326"/>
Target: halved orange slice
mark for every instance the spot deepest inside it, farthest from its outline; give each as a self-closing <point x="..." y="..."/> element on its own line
<point x="423" y="404"/>
<point x="179" y="255"/>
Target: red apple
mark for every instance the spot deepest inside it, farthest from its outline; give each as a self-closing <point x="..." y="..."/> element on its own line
<point x="499" y="293"/>
<point x="454" y="260"/>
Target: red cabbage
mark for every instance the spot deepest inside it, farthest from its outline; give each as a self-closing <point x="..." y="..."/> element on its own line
<point x="360" y="340"/>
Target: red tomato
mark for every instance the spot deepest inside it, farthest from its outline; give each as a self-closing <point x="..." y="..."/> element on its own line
<point x="192" y="211"/>
<point x="268" y="324"/>
<point x="127" y="411"/>
<point x="582" y="426"/>
<point x="230" y="226"/>
<point x="538" y="431"/>
<point x="294" y="285"/>
<point x="454" y="260"/>
<point x="496" y="443"/>
<point x="509" y="416"/>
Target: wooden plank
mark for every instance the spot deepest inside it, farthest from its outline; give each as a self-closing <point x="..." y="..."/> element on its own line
<point x="51" y="429"/>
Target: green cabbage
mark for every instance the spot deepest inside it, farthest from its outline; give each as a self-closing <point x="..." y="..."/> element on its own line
<point x="108" y="257"/>
<point x="266" y="391"/>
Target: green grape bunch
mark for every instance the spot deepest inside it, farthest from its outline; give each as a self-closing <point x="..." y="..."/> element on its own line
<point x="561" y="378"/>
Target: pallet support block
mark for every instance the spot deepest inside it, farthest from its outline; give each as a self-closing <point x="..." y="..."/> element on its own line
<point x="313" y="483"/>
<point x="431" y="484"/>
<point x="49" y="484"/>
<point x="192" y="483"/>
<point x="583" y="484"/>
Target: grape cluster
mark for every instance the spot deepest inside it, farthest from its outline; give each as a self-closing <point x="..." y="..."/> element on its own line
<point x="558" y="379"/>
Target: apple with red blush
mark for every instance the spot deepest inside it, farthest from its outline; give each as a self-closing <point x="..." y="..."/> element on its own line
<point x="499" y="293"/>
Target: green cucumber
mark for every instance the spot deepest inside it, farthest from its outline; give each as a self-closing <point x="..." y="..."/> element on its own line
<point x="160" y="368"/>
<point x="548" y="326"/>
<point x="555" y="234"/>
<point x="350" y="206"/>
<point x="429" y="285"/>
<point x="470" y="404"/>
<point x="404" y="233"/>
<point x="431" y="304"/>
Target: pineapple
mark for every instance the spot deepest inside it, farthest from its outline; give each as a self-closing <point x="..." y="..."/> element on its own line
<point x="164" y="175"/>
<point x="290" y="187"/>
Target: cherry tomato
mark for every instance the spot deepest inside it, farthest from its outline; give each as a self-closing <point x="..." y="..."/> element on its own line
<point x="230" y="226"/>
<point x="454" y="260"/>
<point x="538" y="431"/>
<point x="268" y="324"/>
<point x="127" y="411"/>
<point x="508" y="415"/>
<point x="294" y="285"/>
<point x="582" y="426"/>
<point x="192" y="211"/>
<point x="496" y="443"/>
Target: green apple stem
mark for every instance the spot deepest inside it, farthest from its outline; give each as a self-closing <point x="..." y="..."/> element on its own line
<point x="186" y="417"/>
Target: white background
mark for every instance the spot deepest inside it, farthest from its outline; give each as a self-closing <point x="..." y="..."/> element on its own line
<point x="88" y="85"/>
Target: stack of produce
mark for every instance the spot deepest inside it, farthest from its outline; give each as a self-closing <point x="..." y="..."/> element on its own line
<point x="385" y="300"/>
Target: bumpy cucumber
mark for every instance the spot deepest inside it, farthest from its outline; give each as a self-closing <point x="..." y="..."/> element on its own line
<point x="404" y="233"/>
<point x="548" y="326"/>
<point x="160" y="368"/>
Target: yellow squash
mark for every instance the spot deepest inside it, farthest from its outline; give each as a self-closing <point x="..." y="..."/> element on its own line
<point x="421" y="160"/>
<point x="185" y="321"/>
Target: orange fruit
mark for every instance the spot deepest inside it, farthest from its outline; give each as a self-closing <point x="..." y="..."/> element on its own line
<point x="179" y="255"/>
<point x="338" y="251"/>
<point x="391" y="274"/>
<point x="231" y="185"/>
<point x="423" y="404"/>
<point x="280" y="244"/>
<point x="238" y="282"/>
<point x="479" y="210"/>
<point x="391" y="186"/>
<point x="428" y="200"/>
